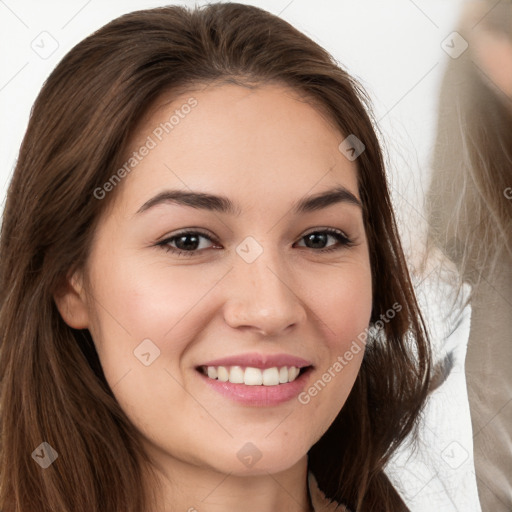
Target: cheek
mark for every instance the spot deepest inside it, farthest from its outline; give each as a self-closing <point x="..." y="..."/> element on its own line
<point x="349" y="309"/>
<point x="147" y="313"/>
<point x="151" y="300"/>
<point x="343" y="301"/>
<point x="343" y="308"/>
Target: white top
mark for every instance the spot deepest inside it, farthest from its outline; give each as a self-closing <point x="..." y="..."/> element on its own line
<point x="439" y="473"/>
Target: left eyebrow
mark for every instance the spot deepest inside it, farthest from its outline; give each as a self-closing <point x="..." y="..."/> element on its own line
<point x="223" y="204"/>
<point x="322" y="200"/>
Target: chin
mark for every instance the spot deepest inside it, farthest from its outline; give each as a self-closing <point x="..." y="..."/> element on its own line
<point x="272" y="465"/>
<point x="259" y="459"/>
<point x="251" y="458"/>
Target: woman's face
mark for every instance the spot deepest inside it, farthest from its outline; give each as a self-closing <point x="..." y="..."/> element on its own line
<point x="250" y="293"/>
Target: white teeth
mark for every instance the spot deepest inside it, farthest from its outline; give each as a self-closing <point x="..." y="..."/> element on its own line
<point x="236" y="375"/>
<point x="293" y="372"/>
<point x="270" y="377"/>
<point x="222" y="374"/>
<point x="253" y="376"/>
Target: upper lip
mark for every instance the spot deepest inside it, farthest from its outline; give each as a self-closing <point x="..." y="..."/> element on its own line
<point x="255" y="360"/>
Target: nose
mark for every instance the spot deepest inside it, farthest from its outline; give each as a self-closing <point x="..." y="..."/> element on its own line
<point x="263" y="297"/>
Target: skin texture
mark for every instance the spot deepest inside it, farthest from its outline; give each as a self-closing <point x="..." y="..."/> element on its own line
<point x="264" y="149"/>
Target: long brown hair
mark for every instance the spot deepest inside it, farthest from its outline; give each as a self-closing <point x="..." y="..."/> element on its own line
<point x="52" y="387"/>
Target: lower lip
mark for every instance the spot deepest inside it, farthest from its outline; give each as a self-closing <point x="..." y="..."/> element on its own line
<point x="259" y="396"/>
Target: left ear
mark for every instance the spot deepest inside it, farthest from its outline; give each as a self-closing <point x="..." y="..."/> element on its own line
<point x="70" y="299"/>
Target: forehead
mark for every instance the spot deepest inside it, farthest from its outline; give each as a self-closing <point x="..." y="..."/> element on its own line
<point x="262" y="143"/>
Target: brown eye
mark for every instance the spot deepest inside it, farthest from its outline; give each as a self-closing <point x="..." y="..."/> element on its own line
<point x="319" y="239"/>
<point x="185" y="244"/>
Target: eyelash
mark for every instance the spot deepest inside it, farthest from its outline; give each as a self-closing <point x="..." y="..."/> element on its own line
<point x="343" y="239"/>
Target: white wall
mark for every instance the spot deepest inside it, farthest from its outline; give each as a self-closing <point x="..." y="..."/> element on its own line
<point x="392" y="46"/>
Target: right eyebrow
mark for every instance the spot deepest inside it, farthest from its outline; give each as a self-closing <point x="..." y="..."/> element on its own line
<point x="200" y="200"/>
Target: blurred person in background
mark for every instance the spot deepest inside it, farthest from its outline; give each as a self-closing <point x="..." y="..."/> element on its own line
<point x="469" y="206"/>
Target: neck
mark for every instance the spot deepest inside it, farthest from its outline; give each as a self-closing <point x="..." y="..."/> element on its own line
<point x="185" y="487"/>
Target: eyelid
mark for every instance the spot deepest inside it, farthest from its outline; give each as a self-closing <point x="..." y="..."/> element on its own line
<point x="325" y="229"/>
<point x="188" y="231"/>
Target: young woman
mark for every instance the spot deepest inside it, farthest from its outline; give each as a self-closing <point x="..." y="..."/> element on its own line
<point x="205" y="304"/>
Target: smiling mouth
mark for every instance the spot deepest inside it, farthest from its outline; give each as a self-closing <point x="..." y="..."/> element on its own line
<point x="250" y="376"/>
